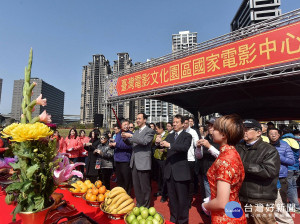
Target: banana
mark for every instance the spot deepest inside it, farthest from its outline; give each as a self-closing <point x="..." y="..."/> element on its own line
<point x="121" y="200"/>
<point x="108" y="201"/>
<point x="126" y="209"/>
<point x="114" y="211"/>
<point x="115" y="199"/>
<point x="115" y="191"/>
<point x="125" y="203"/>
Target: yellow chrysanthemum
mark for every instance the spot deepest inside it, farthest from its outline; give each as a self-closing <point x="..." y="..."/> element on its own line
<point x="27" y="132"/>
<point x="6" y="132"/>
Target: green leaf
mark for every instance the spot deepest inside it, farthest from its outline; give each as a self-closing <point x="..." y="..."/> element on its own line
<point x="17" y="209"/>
<point x="31" y="170"/>
<point x="16" y="166"/>
<point x="26" y="186"/>
<point x="39" y="203"/>
<point x="14" y="186"/>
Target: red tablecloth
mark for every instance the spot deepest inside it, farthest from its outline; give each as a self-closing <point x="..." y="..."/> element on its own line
<point x="79" y="203"/>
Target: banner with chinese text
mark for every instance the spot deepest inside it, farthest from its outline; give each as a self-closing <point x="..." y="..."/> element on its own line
<point x="273" y="47"/>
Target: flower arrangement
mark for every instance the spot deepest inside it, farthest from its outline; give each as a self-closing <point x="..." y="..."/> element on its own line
<point x="65" y="170"/>
<point x="36" y="153"/>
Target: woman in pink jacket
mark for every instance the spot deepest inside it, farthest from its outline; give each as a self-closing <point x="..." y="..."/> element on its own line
<point x="60" y="142"/>
<point x="73" y="145"/>
<point x="83" y="154"/>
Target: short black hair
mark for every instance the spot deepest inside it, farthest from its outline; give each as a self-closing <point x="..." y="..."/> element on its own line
<point x="186" y="118"/>
<point x="124" y="120"/>
<point x="276" y="129"/>
<point x="116" y="126"/>
<point x="179" y="116"/>
<point x="170" y="123"/>
<point x="81" y="132"/>
<point x="161" y="125"/>
<point x="192" y="118"/>
<point x="144" y="115"/>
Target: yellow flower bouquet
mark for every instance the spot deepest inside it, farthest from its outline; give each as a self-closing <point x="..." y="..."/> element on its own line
<point x="37" y="156"/>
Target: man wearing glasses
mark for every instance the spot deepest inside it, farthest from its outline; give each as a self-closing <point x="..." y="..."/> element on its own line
<point x="131" y="127"/>
<point x="261" y="164"/>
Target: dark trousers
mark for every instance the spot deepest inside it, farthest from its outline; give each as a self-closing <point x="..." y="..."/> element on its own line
<point x="283" y="190"/>
<point x="178" y="192"/>
<point x="142" y="187"/>
<point x="162" y="184"/>
<point x="191" y="185"/>
<point x="82" y="160"/>
<point x="105" y="174"/>
<point x="123" y="173"/>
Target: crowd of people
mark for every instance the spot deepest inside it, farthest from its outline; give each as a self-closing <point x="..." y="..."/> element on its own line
<point x="227" y="160"/>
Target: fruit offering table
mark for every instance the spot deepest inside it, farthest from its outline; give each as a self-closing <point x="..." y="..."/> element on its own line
<point x="93" y="212"/>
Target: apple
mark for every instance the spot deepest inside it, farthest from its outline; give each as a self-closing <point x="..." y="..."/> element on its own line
<point x="145" y="214"/>
<point x="155" y="221"/>
<point x="150" y="218"/>
<point x="142" y="208"/>
<point x="136" y="211"/>
<point x="130" y="218"/>
<point x="152" y="211"/>
<point x="135" y="221"/>
<point x="149" y="221"/>
<point x="142" y="221"/>
<point x="139" y="218"/>
<point x="157" y="217"/>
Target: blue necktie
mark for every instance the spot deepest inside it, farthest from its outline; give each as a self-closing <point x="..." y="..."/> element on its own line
<point x="176" y="135"/>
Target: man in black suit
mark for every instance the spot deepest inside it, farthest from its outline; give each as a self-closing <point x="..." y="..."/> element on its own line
<point x="177" y="171"/>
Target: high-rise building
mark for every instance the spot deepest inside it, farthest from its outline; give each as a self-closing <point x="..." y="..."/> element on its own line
<point x="93" y="100"/>
<point x="183" y="40"/>
<point x="125" y="109"/>
<point x="55" y="100"/>
<point x="254" y="11"/>
<point x="1" y="81"/>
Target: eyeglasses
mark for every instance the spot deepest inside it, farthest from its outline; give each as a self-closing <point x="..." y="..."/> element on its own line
<point x="102" y="137"/>
<point x="131" y="127"/>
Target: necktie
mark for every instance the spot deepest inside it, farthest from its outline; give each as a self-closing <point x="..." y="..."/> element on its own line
<point x="176" y="135"/>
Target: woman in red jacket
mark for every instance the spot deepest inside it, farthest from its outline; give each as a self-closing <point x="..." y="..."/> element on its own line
<point x="83" y="154"/>
<point x="60" y="142"/>
<point x="73" y="145"/>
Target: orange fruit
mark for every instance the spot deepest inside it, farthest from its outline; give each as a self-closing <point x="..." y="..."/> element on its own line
<point x="88" y="196"/>
<point x="83" y="188"/>
<point x="102" y="190"/>
<point x="93" y="198"/>
<point x="90" y="191"/>
<point x="98" y="183"/>
<point x="100" y="197"/>
<point x="94" y="191"/>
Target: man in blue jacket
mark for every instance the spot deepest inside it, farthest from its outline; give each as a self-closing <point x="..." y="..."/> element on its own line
<point x="122" y="156"/>
<point x="286" y="159"/>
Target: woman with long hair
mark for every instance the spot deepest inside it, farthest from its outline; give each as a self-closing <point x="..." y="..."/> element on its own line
<point x="92" y="171"/>
<point x="60" y="142"/>
<point x="83" y="154"/>
<point x="73" y="145"/>
<point x="226" y="174"/>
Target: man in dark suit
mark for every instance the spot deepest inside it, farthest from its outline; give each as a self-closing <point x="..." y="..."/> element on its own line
<point x="177" y="171"/>
<point x="140" y="163"/>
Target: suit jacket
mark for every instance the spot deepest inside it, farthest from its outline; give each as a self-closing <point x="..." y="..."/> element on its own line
<point x="176" y="162"/>
<point x="141" y="148"/>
